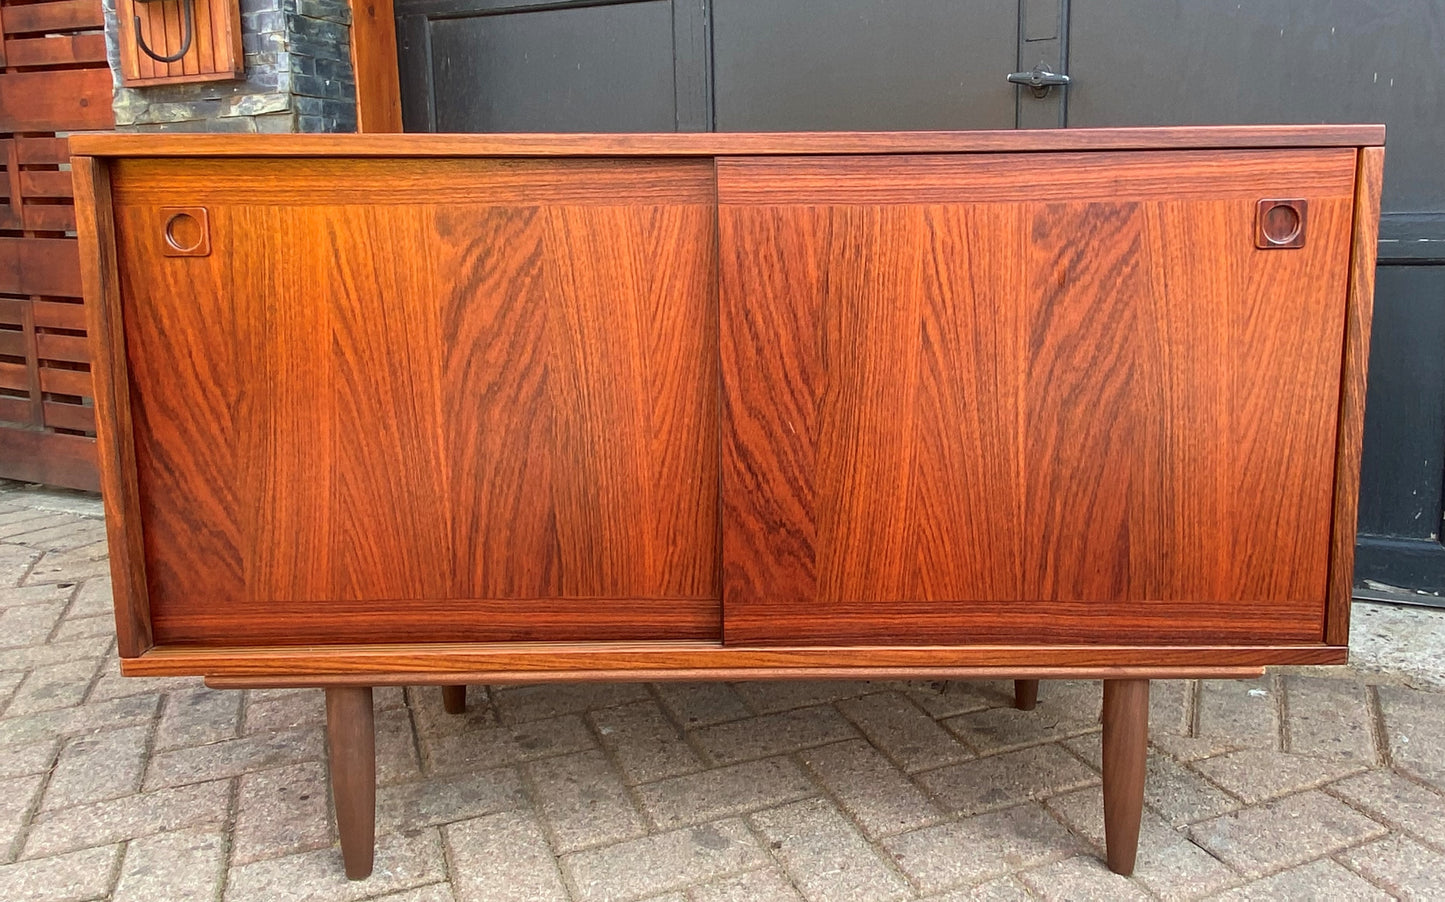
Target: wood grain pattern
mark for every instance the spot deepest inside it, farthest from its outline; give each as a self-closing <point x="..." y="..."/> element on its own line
<point x="706" y="144"/>
<point x="1146" y="404"/>
<point x="508" y="433"/>
<point x="124" y="527"/>
<point x="995" y="178"/>
<point x="480" y="661"/>
<point x="1125" y="756"/>
<point x="1358" y="309"/>
<point x="335" y="181"/>
<point x="374" y="67"/>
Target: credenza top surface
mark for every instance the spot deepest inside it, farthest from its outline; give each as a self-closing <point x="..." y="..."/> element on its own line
<point x="706" y="144"/>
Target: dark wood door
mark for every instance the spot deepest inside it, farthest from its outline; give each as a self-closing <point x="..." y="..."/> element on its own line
<point x="509" y="431"/>
<point x="954" y="383"/>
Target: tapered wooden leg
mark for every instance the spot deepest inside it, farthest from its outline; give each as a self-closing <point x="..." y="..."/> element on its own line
<point x="351" y="732"/>
<point x="454" y="699"/>
<point x="1126" y="745"/>
<point x="1026" y="694"/>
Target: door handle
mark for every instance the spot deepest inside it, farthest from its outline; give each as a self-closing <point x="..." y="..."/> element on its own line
<point x="1040" y="80"/>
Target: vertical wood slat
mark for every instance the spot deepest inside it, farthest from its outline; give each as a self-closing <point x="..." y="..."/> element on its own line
<point x="95" y="228"/>
<point x="374" y="67"/>
<point x="215" y="51"/>
<point x="1359" y="307"/>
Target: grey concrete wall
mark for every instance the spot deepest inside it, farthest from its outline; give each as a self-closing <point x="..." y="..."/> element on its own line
<point x="298" y="77"/>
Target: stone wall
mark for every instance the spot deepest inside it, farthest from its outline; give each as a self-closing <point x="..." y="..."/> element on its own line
<point x="298" y="77"/>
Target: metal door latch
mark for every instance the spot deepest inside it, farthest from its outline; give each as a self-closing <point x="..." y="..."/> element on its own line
<point x="1040" y="80"/>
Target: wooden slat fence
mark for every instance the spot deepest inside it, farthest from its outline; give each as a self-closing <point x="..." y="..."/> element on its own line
<point x="53" y="80"/>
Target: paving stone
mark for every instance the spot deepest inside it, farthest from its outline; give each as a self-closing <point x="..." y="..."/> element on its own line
<point x="826" y="857"/>
<point x="51" y="596"/>
<point x="519" y="704"/>
<point x="63" y="536"/>
<point x="9" y="682"/>
<point x="1239" y="713"/>
<point x="93" y="649"/>
<point x="949" y="698"/>
<point x="74" y="565"/>
<point x="102" y="625"/>
<point x="772" y="696"/>
<point x="1004" y="729"/>
<point x="98" y="767"/>
<point x="773" y="734"/>
<point x="19" y="760"/>
<point x="1415" y="732"/>
<point x="64" y="878"/>
<point x="1170" y="706"/>
<point x="33" y="728"/>
<point x="647" y="745"/>
<point x="15" y="563"/>
<point x="232" y="757"/>
<point x="112" y="685"/>
<point x="181" y="866"/>
<point x="1399" y="802"/>
<point x="1000" y="889"/>
<point x="17" y="797"/>
<point x="583" y="801"/>
<point x="28" y="624"/>
<point x="1256" y="775"/>
<point x="1180" y="795"/>
<point x="1185" y="748"/>
<point x="425" y="705"/>
<point x="1002" y="781"/>
<point x="1329" y="718"/>
<point x="129" y="817"/>
<point x="402" y="861"/>
<point x="503" y="858"/>
<point x="767" y="885"/>
<point x="397" y="760"/>
<point x="1323" y="879"/>
<point x="1168" y="864"/>
<point x="93" y="598"/>
<point x="979" y="848"/>
<point x="724" y="791"/>
<point x="870" y="789"/>
<point x="281" y="811"/>
<point x="437" y="892"/>
<point x="903" y="732"/>
<point x="662" y="862"/>
<point x="56" y="686"/>
<point x="198" y="716"/>
<point x="702" y="704"/>
<point x="284" y="710"/>
<point x="498" y="745"/>
<point x="15" y="526"/>
<point x="408" y="807"/>
<point x="1276" y="835"/>
<point x="1400" y="864"/>
<point x="1080" y="879"/>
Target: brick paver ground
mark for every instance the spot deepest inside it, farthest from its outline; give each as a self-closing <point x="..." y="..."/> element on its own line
<point x="1307" y="784"/>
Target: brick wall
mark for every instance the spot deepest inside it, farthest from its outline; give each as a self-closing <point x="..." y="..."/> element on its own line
<point x="298" y="77"/>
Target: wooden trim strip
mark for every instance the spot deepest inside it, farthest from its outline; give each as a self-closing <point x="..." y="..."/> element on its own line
<point x="272" y="182"/>
<point x="1359" y="306"/>
<point x="534" y="660"/>
<point x="96" y="230"/>
<point x="495" y="678"/>
<point x="709" y="144"/>
<point x="1005" y="178"/>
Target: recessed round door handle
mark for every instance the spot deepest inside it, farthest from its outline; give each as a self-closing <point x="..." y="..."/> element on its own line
<point x="1040" y="80"/>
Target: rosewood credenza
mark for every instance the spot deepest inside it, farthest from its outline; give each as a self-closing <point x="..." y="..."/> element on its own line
<point x="422" y="409"/>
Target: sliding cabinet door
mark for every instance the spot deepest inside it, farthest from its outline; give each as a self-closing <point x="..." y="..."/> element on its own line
<point x="1027" y="398"/>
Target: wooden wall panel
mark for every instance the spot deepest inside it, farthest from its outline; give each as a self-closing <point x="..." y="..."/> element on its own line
<point x="509" y="432"/>
<point x="53" y="78"/>
<point x="1197" y="503"/>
